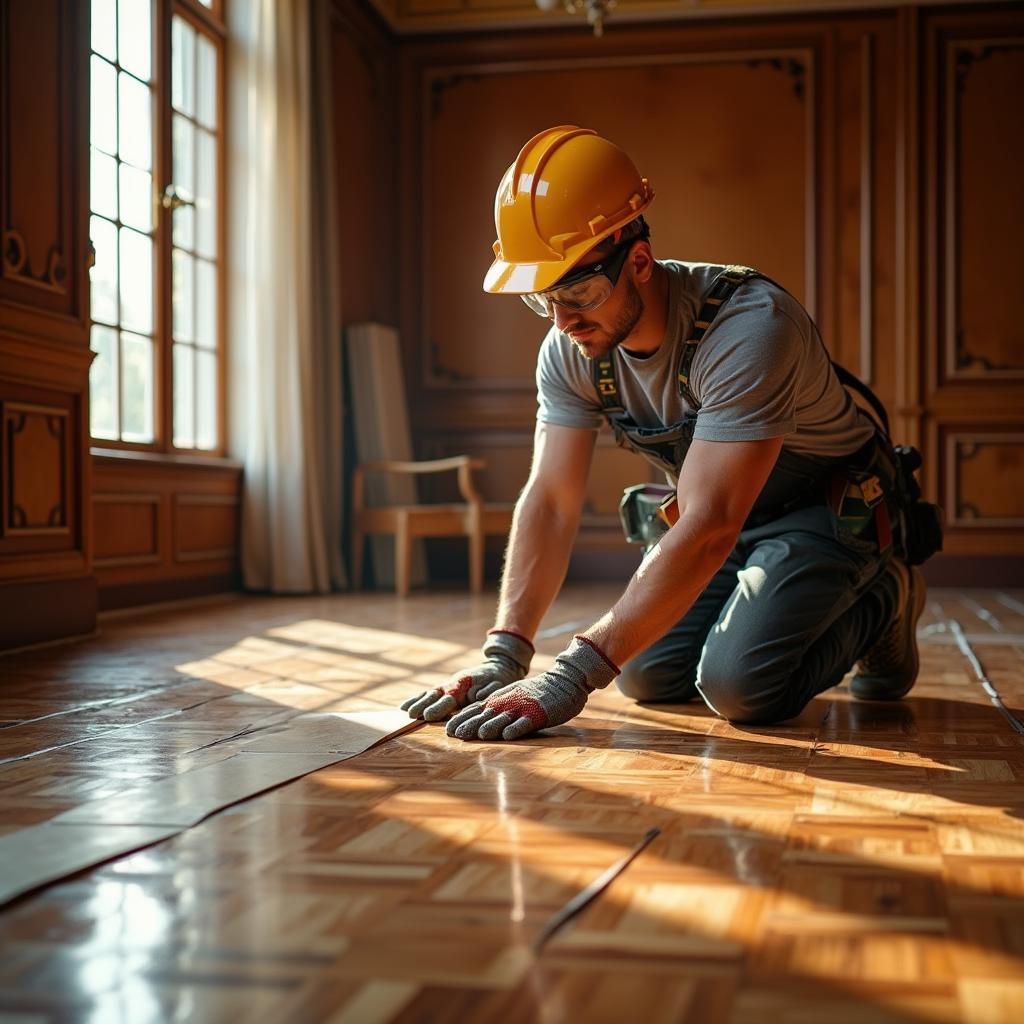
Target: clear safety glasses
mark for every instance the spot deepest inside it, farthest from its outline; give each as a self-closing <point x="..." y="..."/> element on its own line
<point x="587" y="288"/>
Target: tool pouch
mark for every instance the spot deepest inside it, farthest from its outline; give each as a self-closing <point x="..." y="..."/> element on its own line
<point x="922" y="521"/>
<point x="640" y="511"/>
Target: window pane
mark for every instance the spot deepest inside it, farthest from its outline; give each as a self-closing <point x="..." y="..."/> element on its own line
<point x="136" y="282"/>
<point x="206" y="304"/>
<point x="182" y="146"/>
<point x="184" y="396"/>
<point x="103" y="274"/>
<point x="103" y="105"/>
<point x="206" y="82"/>
<point x="206" y="400"/>
<point x="134" y="37"/>
<point x="136" y="388"/>
<point x="104" y="28"/>
<point x="183" y="62"/>
<point x="103" y="383"/>
<point x="135" y="115"/>
<point x="206" y="195"/>
<point x="103" y="184"/>
<point x="183" y="232"/>
<point x="183" y="296"/>
<point x="136" y="198"/>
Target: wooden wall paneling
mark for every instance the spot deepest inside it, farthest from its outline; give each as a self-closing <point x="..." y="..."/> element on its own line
<point x="166" y="527"/>
<point x="205" y="527"/>
<point x="127" y="529"/>
<point x="744" y="194"/>
<point x="46" y="585"/>
<point x="981" y="489"/>
<point x="865" y="339"/>
<point x="983" y="225"/>
<point x="974" y="218"/>
<point x="40" y="202"/>
<point x="365" y="111"/>
<point x="738" y="178"/>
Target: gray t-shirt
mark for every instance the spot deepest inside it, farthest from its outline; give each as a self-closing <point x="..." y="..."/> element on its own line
<point x="761" y="371"/>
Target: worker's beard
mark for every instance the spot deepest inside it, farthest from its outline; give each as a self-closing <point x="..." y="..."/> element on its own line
<point x="601" y="342"/>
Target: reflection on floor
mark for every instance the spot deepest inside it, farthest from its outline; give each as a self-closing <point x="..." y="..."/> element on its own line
<point x="863" y="863"/>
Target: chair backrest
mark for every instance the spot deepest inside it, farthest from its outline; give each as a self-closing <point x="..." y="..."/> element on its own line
<point x="380" y="422"/>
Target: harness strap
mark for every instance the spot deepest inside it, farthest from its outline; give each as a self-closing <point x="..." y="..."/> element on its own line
<point x="721" y="290"/>
<point x="607" y="390"/>
<point x="853" y="382"/>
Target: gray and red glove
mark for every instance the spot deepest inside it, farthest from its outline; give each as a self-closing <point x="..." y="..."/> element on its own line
<point x="551" y="698"/>
<point x="508" y="660"/>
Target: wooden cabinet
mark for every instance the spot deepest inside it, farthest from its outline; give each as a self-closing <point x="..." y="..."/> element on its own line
<point x="47" y="588"/>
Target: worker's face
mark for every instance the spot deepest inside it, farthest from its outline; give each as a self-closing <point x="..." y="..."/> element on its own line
<point x="596" y="332"/>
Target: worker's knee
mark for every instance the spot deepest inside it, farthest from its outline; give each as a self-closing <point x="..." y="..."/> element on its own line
<point x="658" y="679"/>
<point x="741" y="690"/>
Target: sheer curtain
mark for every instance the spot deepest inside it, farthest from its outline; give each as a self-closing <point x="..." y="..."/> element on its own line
<point x="284" y="369"/>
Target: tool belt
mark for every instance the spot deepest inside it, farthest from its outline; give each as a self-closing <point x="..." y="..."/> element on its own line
<point x="874" y="495"/>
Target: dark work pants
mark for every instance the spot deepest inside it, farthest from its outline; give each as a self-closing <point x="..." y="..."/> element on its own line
<point x="796" y="604"/>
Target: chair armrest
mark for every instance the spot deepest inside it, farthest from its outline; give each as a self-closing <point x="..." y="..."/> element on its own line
<point x="464" y="464"/>
<point x="425" y="466"/>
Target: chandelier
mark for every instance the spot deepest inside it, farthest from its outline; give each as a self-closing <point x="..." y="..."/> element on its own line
<point x="595" y="10"/>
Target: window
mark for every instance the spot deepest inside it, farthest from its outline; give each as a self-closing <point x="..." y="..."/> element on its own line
<point x="156" y="145"/>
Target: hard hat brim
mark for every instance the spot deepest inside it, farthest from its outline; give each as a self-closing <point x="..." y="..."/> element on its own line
<point x="523" y="278"/>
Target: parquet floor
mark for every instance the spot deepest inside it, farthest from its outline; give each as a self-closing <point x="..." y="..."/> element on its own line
<point x="863" y="863"/>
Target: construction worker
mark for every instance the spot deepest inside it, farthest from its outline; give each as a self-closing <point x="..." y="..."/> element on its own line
<point x="780" y="571"/>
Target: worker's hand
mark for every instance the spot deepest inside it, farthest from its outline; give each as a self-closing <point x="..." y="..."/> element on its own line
<point x="551" y="698"/>
<point x="508" y="660"/>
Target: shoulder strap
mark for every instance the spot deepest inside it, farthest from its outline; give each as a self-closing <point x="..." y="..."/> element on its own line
<point x="607" y="389"/>
<point x="848" y="379"/>
<point x="722" y="289"/>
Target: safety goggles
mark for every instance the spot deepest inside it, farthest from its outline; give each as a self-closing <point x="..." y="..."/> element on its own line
<point x="585" y="289"/>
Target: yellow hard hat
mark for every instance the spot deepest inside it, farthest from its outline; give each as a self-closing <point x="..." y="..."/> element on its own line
<point x="567" y="190"/>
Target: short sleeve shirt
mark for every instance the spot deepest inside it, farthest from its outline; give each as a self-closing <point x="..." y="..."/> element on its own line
<point x="761" y="371"/>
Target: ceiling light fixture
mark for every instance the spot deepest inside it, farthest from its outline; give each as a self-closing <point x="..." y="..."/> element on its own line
<point x="595" y="10"/>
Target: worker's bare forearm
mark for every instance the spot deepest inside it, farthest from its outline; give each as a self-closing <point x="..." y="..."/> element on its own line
<point x="663" y="588"/>
<point x="536" y="560"/>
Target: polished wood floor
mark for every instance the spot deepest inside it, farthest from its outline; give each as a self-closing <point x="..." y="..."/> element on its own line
<point x="863" y="863"/>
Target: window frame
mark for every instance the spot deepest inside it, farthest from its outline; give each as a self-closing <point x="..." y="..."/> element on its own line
<point x="210" y="22"/>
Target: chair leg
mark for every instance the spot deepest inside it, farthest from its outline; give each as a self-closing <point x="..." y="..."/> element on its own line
<point x="476" y="557"/>
<point x="403" y="556"/>
<point x="358" y="549"/>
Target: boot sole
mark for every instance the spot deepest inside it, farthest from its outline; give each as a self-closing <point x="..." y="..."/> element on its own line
<point x="880" y="687"/>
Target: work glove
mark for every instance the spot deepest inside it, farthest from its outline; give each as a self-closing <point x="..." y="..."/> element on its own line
<point x="551" y="698"/>
<point x="508" y="660"/>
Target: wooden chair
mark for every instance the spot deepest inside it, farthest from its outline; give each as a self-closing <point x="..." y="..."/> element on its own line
<point x="470" y="518"/>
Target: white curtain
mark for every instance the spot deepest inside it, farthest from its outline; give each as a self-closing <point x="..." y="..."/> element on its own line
<point x="284" y="367"/>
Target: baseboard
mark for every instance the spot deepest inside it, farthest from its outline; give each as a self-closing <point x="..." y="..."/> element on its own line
<point x="975" y="571"/>
<point x="42" y="611"/>
<point x="150" y="592"/>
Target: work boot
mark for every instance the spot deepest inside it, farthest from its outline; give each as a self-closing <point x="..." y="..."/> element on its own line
<point x="889" y="669"/>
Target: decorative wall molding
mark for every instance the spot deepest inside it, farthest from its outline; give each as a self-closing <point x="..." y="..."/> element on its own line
<point x="424" y="17"/>
<point x="984" y="456"/>
<point x="43" y="142"/>
<point x="791" y="66"/>
<point x="36" y="470"/>
<point x="867" y="207"/>
<point x="15" y="265"/>
<point x="962" y="361"/>
<point x="150" y="502"/>
<point x="199" y="501"/>
<point x="437" y="79"/>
